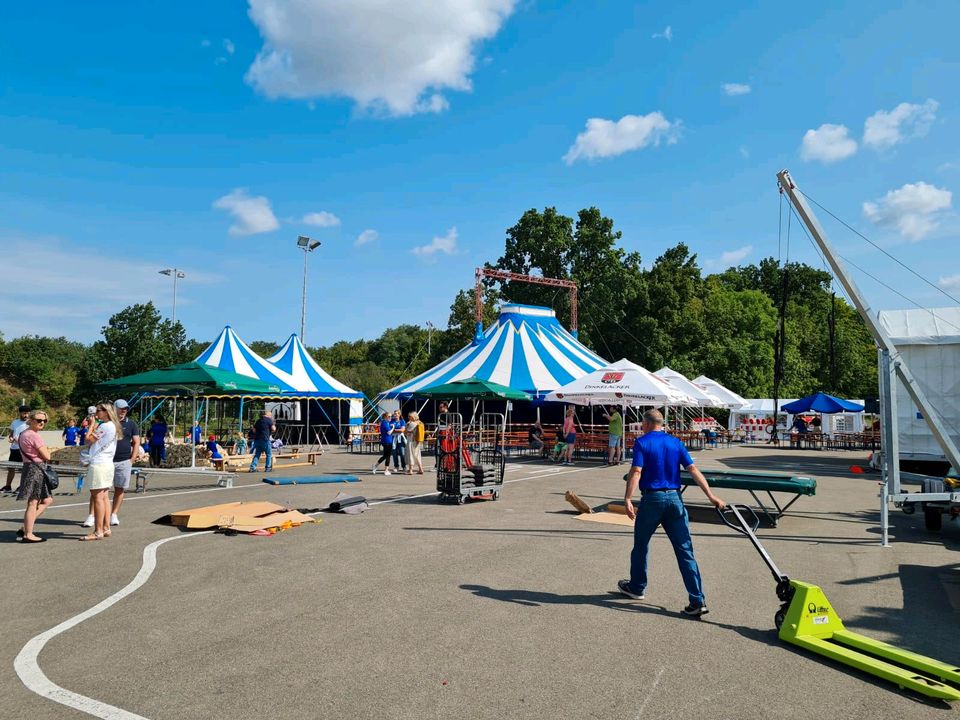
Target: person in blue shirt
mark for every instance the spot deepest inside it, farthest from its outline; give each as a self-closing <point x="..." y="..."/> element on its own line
<point x="262" y="430"/>
<point x="399" y="442"/>
<point x="657" y="459"/>
<point x="386" y="444"/>
<point x="156" y="441"/>
<point x="70" y="433"/>
<point x="197" y="433"/>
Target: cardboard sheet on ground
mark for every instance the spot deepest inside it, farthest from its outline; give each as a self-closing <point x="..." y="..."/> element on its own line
<point x="611" y="513"/>
<point x="239" y="516"/>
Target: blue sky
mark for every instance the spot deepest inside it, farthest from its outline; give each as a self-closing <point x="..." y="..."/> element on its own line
<point x="207" y="136"/>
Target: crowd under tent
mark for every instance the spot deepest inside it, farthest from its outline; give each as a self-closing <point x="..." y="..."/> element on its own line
<point x="308" y="407"/>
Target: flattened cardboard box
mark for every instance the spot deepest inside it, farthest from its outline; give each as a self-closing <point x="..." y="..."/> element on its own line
<point x="203" y="518"/>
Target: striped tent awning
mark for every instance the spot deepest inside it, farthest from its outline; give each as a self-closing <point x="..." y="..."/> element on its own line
<point x="229" y="352"/>
<point x="307" y="374"/>
<point x="527" y="349"/>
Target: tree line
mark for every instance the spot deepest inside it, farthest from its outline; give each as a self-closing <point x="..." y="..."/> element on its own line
<point x="722" y="324"/>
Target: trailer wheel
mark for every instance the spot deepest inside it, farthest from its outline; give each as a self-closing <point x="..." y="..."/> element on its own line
<point x="932" y="518"/>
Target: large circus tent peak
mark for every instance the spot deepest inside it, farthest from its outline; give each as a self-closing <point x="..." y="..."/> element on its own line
<point x="526" y="349"/>
<point x="294" y="360"/>
<point x="229" y="352"/>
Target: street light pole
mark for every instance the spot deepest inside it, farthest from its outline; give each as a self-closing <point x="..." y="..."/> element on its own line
<point x="308" y="245"/>
<point x="175" y="274"/>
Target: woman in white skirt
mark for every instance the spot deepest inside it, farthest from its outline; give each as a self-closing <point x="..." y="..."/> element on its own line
<point x="102" y="440"/>
<point x="415" y="433"/>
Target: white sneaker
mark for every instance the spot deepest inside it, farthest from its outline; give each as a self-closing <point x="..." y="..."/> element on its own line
<point x="374" y="471"/>
<point x="88" y="522"/>
<point x="114" y="520"/>
<point x="387" y="472"/>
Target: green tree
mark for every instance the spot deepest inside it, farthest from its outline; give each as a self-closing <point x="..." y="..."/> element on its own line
<point x="264" y="348"/>
<point x="137" y="339"/>
<point x="43" y="366"/>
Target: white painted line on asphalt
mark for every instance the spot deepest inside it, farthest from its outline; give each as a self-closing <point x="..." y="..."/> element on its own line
<point x="28" y="668"/>
<point x="34" y="678"/>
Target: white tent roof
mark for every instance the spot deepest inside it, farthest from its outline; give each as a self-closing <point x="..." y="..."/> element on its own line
<point x="937" y="326"/>
<point x="620" y="383"/>
<point x="703" y="397"/>
<point x="729" y="397"/>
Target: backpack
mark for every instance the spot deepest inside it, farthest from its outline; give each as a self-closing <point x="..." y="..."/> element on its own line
<point x="419" y="432"/>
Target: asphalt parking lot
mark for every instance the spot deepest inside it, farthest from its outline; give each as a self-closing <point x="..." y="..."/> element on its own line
<point x="488" y="610"/>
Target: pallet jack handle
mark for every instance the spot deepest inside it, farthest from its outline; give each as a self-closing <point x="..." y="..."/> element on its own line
<point x="749" y="528"/>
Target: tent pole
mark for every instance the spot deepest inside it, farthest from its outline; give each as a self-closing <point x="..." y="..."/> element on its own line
<point x="308" y="422"/>
<point x="193" y="445"/>
<point x="339" y="422"/>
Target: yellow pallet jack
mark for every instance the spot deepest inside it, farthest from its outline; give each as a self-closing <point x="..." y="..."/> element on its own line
<point x="807" y="619"/>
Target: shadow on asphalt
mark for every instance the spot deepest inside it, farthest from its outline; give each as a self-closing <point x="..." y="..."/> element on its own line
<point x="928" y="619"/>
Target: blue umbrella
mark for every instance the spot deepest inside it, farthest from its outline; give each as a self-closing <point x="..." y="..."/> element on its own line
<point x="821" y="403"/>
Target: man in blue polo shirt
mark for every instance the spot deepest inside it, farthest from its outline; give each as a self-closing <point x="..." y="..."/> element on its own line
<point x="657" y="459"/>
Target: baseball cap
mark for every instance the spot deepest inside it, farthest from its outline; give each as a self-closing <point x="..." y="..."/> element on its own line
<point x="92" y="410"/>
<point x="121" y="404"/>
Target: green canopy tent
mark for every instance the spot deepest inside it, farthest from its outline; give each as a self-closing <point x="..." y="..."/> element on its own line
<point x="192" y="379"/>
<point x="476" y="389"/>
<point x="473" y="389"/>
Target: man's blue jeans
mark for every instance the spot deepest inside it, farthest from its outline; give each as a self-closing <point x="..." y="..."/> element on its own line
<point x="262" y="446"/>
<point x="666" y="509"/>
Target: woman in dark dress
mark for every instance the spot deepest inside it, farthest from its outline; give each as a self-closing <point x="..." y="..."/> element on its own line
<point x="33" y="485"/>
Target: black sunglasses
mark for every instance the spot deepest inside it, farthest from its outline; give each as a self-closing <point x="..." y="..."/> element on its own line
<point x="40" y="420"/>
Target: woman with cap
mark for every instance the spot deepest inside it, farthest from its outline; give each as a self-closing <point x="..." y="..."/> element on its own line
<point x="103" y="445"/>
<point x="33" y="483"/>
<point x="16" y="427"/>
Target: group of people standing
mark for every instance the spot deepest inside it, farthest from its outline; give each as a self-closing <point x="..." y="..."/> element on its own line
<point x="111" y="441"/>
<point x="402" y="442"/>
<point x="567" y="437"/>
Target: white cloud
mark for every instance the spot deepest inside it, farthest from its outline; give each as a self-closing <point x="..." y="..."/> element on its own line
<point x="59" y="305"/>
<point x="367" y="236"/>
<point x="885" y="129"/>
<point x="391" y="56"/>
<point x="667" y="34"/>
<point x="744" y="152"/>
<point x="606" y="138"/>
<point x="252" y="215"/>
<point x="913" y="209"/>
<point x="229" y="46"/>
<point x="951" y="283"/>
<point x="734" y="89"/>
<point x="446" y="245"/>
<point x="828" y="143"/>
<point x="321" y="219"/>
<point x="733" y="257"/>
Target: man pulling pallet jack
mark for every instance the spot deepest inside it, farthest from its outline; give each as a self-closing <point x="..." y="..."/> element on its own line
<point x="657" y="458"/>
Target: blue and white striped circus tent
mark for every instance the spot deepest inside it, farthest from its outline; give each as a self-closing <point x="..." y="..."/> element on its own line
<point x="526" y="349"/>
<point x="229" y="352"/>
<point x="308" y="376"/>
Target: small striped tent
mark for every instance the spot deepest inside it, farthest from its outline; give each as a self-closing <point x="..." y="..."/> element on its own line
<point x="229" y="352"/>
<point x="526" y="349"/>
<point x="307" y="375"/>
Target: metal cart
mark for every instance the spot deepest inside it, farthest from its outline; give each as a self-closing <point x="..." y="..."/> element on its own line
<point x="469" y="461"/>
